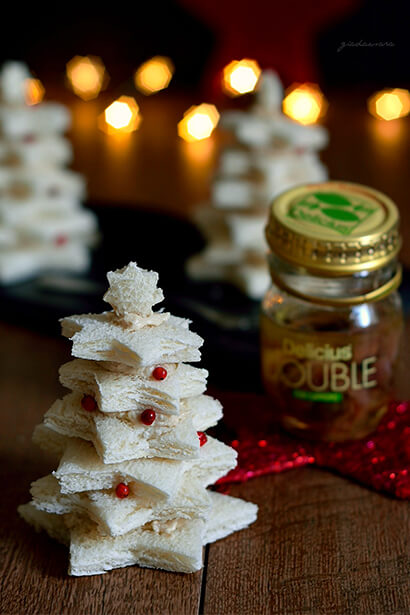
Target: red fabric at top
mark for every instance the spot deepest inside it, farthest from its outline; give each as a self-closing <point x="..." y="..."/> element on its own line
<point x="278" y="35"/>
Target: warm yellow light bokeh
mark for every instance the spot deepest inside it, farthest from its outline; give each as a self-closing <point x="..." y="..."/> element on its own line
<point x="198" y="122"/>
<point x="389" y="104"/>
<point x="304" y="103"/>
<point x="154" y="75"/>
<point x="34" y="91"/>
<point x="240" y="77"/>
<point x="122" y="116"/>
<point x="86" y="76"/>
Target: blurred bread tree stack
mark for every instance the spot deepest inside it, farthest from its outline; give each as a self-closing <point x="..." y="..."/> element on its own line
<point x="43" y="225"/>
<point x="267" y="154"/>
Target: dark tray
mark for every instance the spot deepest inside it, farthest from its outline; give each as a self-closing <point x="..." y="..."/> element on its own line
<point x="224" y="317"/>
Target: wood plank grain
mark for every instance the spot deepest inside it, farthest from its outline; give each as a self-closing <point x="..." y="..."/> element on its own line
<point x="33" y="568"/>
<point x="321" y="545"/>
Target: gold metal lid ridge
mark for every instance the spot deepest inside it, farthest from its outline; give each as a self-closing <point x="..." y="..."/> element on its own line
<point x="334" y="228"/>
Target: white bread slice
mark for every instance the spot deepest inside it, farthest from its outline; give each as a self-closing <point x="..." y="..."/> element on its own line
<point x="14" y="213"/>
<point x="133" y="291"/>
<point x="32" y="183"/>
<point x="228" y="515"/>
<point x="122" y="437"/>
<point x="178" y="550"/>
<point x="51" y="523"/>
<point x="147" y="501"/>
<point x="122" y="392"/>
<point x="47" y="225"/>
<point x="181" y="442"/>
<point x="49" y="440"/>
<point x="47" y="118"/>
<point x="114" y="516"/>
<point x="91" y="553"/>
<point x="40" y="152"/>
<point x="251" y="278"/>
<point x="81" y="469"/>
<point x="101" y="337"/>
<point x="22" y="262"/>
<point x="42" y="119"/>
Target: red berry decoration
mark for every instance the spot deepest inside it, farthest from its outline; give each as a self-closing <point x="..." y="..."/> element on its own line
<point x="60" y="240"/>
<point x="122" y="491"/>
<point x="160" y="373"/>
<point x="89" y="404"/>
<point x="148" y="416"/>
<point x="203" y="438"/>
<point x="29" y="138"/>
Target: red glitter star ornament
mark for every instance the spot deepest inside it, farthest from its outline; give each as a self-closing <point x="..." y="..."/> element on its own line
<point x="381" y="461"/>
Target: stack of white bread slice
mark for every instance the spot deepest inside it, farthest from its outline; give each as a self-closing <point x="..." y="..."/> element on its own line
<point x="135" y="460"/>
<point x="267" y="154"/>
<point x="43" y="225"/>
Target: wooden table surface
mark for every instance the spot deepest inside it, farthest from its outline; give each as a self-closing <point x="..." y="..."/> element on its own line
<point x="321" y="544"/>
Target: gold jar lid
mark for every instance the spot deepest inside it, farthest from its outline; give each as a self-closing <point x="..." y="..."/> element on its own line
<point x="334" y="228"/>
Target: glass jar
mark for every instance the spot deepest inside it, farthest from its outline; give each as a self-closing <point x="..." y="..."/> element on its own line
<point x="331" y="323"/>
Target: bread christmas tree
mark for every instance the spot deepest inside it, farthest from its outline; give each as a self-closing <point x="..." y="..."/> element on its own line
<point x="42" y="223"/>
<point x="267" y="154"/>
<point x="130" y="487"/>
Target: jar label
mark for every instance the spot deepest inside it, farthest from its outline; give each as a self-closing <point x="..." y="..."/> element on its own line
<point x="324" y="368"/>
<point x="331" y="383"/>
<point x="328" y="397"/>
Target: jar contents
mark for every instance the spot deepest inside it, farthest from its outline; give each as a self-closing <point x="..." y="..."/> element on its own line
<point x="331" y="322"/>
<point x="329" y="379"/>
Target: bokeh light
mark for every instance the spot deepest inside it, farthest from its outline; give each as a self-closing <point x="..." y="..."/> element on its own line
<point x="198" y="122"/>
<point x="304" y="103"/>
<point x="389" y="104"/>
<point x="34" y="91"/>
<point x="240" y="77"/>
<point x="86" y="76"/>
<point x="154" y="75"/>
<point x="122" y="116"/>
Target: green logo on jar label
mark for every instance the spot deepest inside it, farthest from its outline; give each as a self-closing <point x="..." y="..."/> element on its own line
<point x="332" y="210"/>
<point x="329" y="397"/>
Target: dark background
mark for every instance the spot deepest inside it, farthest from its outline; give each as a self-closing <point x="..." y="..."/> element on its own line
<point x="300" y="39"/>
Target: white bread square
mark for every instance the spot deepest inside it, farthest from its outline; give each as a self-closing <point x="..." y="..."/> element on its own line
<point x="121" y="437"/>
<point x="122" y="392"/>
<point x="33" y="183"/>
<point x="114" y="439"/>
<point x="228" y="515"/>
<point x="115" y="516"/>
<point x="91" y="553"/>
<point x="251" y="278"/>
<point x="46" y="118"/>
<point x="101" y="337"/>
<point x="51" y="523"/>
<point x="84" y="486"/>
<point x="45" y="226"/>
<point x="179" y="550"/>
<point x="14" y="212"/>
<point x="19" y="263"/>
<point x="41" y="152"/>
<point x="81" y="469"/>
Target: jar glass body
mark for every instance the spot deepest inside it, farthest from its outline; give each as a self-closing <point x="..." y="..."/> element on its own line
<point x="329" y="369"/>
